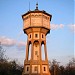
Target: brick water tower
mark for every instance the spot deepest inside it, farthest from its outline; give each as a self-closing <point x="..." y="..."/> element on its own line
<point x="36" y="24"/>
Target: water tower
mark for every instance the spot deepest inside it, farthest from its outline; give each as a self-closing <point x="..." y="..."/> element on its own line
<point x="36" y="24"/>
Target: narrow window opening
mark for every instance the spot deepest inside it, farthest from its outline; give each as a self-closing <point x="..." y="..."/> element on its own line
<point x="35" y="45"/>
<point x="36" y="52"/>
<point x="42" y="36"/>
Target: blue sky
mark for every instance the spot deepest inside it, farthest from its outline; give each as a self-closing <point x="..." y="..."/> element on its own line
<point x="60" y="41"/>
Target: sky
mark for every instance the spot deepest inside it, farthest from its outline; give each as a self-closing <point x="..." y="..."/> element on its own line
<point x="60" y="41"/>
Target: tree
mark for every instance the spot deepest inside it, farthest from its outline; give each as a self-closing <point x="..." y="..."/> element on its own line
<point x="70" y="68"/>
<point x="1" y="53"/>
<point x="10" y="68"/>
<point x="55" y="70"/>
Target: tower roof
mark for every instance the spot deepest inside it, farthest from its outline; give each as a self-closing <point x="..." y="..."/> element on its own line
<point x="37" y="11"/>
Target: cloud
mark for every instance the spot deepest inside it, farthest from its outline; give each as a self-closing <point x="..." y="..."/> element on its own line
<point x="72" y="27"/>
<point x="21" y="43"/>
<point x="60" y="26"/>
<point x="6" y="41"/>
<point x="56" y="26"/>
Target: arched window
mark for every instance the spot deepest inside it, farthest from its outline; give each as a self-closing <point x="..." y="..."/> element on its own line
<point x="43" y="51"/>
<point x="29" y="51"/>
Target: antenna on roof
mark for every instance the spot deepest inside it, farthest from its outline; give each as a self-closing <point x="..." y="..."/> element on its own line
<point x="29" y="6"/>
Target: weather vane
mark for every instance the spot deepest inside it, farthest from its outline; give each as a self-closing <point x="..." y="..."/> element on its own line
<point x="37" y="6"/>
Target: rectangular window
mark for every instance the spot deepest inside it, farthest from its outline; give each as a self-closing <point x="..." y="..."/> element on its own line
<point x="27" y="68"/>
<point x="44" y="69"/>
<point x="30" y="35"/>
<point x="36" y="35"/>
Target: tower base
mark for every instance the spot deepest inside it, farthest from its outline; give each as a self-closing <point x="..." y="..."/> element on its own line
<point x="36" y="68"/>
<point x="36" y="74"/>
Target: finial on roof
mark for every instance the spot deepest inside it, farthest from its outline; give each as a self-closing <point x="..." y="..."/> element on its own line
<point x="37" y="6"/>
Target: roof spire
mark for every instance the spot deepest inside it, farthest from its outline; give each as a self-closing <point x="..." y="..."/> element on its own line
<point x="37" y="6"/>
